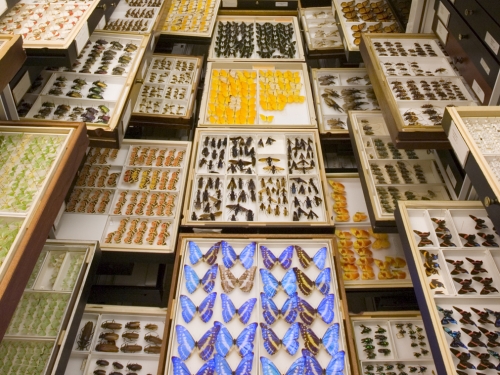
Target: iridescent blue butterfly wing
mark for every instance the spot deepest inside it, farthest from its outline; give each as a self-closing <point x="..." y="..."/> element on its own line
<point x="268" y="368"/>
<point x="206" y="307"/>
<point x="245" y="310"/>
<point x="179" y="367"/>
<point x="286" y="257"/>
<point x="323" y="281"/>
<point x="247" y="255"/>
<point x="228" y="308"/>
<point x="325" y="308"/>
<point x="289" y="282"/>
<point x="269" y="282"/>
<point x="192" y="279"/>
<point x="211" y="255"/>
<point x="229" y="256"/>
<point x="271" y="341"/>
<point x="336" y="365"/>
<point x="319" y="258"/>
<point x="268" y="257"/>
<point x="291" y="339"/>
<point x="221" y="366"/>
<point x="270" y="311"/>
<point x="331" y="339"/>
<point x="195" y="253"/>
<point x="188" y="308"/>
<point x="306" y="312"/>
<point x="207" y="369"/>
<point x="244" y="368"/>
<point x="224" y="341"/>
<point x="206" y="345"/>
<point x="246" y="338"/>
<point x="297" y="367"/>
<point x="208" y="280"/>
<point x="289" y="310"/>
<point x="312" y="366"/>
<point x="185" y="341"/>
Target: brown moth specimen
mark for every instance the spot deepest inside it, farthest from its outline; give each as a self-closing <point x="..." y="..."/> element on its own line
<point x="108" y="348"/>
<point x="85" y="336"/>
<point x="153" y="339"/>
<point x="130" y="348"/>
<point x="111" y="325"/>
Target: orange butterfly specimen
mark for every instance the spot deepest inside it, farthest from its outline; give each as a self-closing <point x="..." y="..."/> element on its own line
<point x="229" y="281"/>
<point x="360" y="234"/>
<point x="306" y="285"/>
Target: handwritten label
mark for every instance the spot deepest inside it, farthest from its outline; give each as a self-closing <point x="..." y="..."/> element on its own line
<point x="458" y="144"/>
<point x="492" y="43"/>
<point x="443" y="13"/>
<point x="441" y="32"/>
<point x="282" y="3"/>
<point x="82" y="38"/>
<point x="485" y="66"/>
<point x="478" y="90"/>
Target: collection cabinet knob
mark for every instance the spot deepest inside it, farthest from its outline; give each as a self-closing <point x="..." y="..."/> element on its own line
<point x="462" y="36"/>
<point x="103" y="7"/>
<point x="468" y="12"/>
<point x="489" y="201"/>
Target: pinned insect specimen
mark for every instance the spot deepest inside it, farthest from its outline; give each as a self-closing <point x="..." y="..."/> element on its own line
<point x="85" y="336"/>
<point x="466" y="285"/>
<point x="457" y="264"/>
<point x="478" y="266"/>
<point x="424" y="240"/>
<point x="470" y="238"/>
<point x="447" y="316"/>
<point x="466" y="316"/>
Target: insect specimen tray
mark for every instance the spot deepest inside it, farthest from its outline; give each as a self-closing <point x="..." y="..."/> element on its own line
<point x="125" y="339"/>
<point x="453" y="256"/>
<point x="473" y="135"/>
<point x="129" y="198"/>
<point x="414" y="83"/>
<point x="268" y="178"/>
<point x="41" y="333"/>
<point x="12" y="57"/>
<point x="167" y="93"/>
<point x="321" y="33"/>
<point x="389" y="174"/>
<point x="256" y="38"/>
<point x="211" y="254"/>
<point x="38" y="166"/>
<point x="272" y="94"/>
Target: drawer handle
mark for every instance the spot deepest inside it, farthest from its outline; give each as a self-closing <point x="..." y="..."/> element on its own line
<point x="103" y="7"/>
<point x="139" y="81"/>
<point x="463" y="36"/>
<point x="468" y="12"/>
<point x="489" y="201"/>
<point x="458" y="60"/>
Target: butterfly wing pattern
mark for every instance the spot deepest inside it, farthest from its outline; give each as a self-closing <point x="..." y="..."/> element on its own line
<point x="306" y="285"/>
<point x="270" y="260"/>
<point x="272" y="343"/>
<point x="229" y="256"/>
<point x="244" y="342"/>
<point x="195" y="254"/>
<point x="229" y="310"/>
<point x="269" y="368"/>
<point x="193" y="281"/>
<point x="319" y="259"/>
<point x="244" y="368"/>
<point x="229" y="281"/>
<point x="180" y="368"/>
<point x="325" y="310"/>
<point x="189" y="309"/>
<point x="288" y="311"/>
<point x="271" y="284"/>
<point x="313" y="343"/>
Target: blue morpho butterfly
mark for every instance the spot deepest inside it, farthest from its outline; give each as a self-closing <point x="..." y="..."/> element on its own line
<point x="325" y="310"/>
<point x="244" y="342"/>
<point x="290" y="340"/>
<point x="313" y="367"/>
<point x="288" y="311"/>
<point x="269" y="368"/>
<point x="270" y="260"/>
<point x="195" y="254"/>
<point x="244" y="368"/>
<point x="189" y="309"/>
<point x="229" y="310"/>
<point x="306" y="285"/>
<point x="193" y="281"/>
<point x="229" y="256"/>
<point x="271" y="284"/>
<point x="206" y="345"/>
<point x="313" y="343"/>
<point x="181" y="369"/>
<point x="319" y="259"/>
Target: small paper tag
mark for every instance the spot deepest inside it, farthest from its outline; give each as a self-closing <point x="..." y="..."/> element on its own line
<point x="22" y="86"/>
<point x="478" y="90"/>
<point x="102" y="23"/>
<point x="443" y="13"/>
<point x="441" y="32"/>
<point x="458" y="144"/>
<point x="450" y="175"/>
<point x="492" y="43"/>
<point x="282" y="3"/>
<point x="485" y="66"/>
<point x="82" y="38"/>
<point x="229" y="3"/>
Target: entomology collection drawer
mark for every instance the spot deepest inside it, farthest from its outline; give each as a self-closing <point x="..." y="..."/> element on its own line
<point x="40" y="334"/>
<point x="361" y="17"/>
<point x="94" y="90"/>
<point x="269" y="178"/>
<point x="260" y="94"/>
<point x="388" y="174"/>
<point x="38" y="165"/>
<point x="130" y="198"/>
<point x="392" y="342"/>
<point x="124" y="339"/>
<point x="414" y="83"/>
<point x="167" y="93"/>
<point x="367" y="259"/>
<point x="322" y="37"/>
<point x="337" y="91"/>
<point x="256" y="38"/>
<point x="302" y="259"/>
<point x="452" y="252"/>
<point x="473" y="136"/>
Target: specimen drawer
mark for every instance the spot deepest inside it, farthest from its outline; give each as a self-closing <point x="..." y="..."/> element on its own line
<point x="337" y="91"/>
<point x="267" y="179"/>
<point x="256" y="251"/>
<point x="367" y="259"/>
<point x="422" y="84"/>
<point x="261" y="94"/>
<point x="389" y="174"/>
<point x="38" y="166"/>
<point x="451" y="248"/>
<point x="473" y="136"/>
<point x="129" y="198"/>
<point x="41" y="332"/>
<point x="167" y="92"/>
<point x="321" y="34"/>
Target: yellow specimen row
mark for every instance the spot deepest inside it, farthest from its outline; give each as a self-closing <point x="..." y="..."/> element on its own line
<point x="279" y="88"/>
<point x="340" y="204"/>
